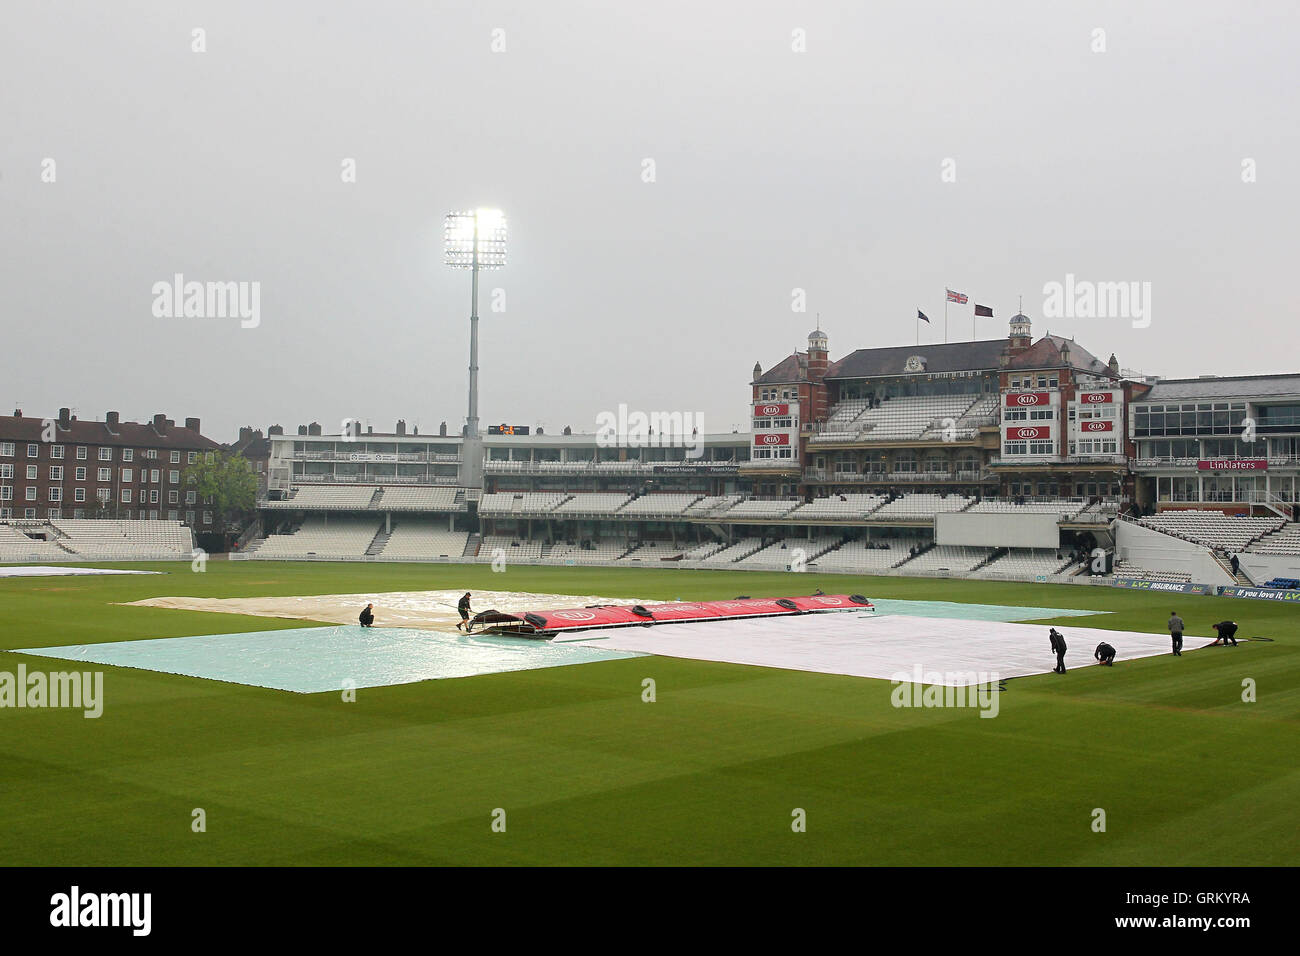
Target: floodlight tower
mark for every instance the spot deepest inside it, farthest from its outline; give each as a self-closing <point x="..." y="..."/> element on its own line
<point x="474" y="240"/>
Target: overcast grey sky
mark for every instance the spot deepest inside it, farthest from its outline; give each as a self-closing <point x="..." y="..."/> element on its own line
<point x="774" y="170"/>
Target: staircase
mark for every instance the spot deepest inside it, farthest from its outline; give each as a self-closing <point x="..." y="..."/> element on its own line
<point x="379" y="541"/>
<point x="911" y="556"/>
<point x="472" y="544"/>
<point x="1240" y="577"/>
<point x="997" y="553"/>
<point x="376" y="498"/>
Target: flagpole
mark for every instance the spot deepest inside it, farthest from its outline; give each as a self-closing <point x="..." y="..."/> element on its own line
<point x="945" y="317"/>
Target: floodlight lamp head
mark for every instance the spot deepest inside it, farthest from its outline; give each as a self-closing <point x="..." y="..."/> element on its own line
<point x="475" y="238"/>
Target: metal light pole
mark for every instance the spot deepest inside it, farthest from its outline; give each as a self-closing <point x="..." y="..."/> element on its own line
<point x="474" y="240"/>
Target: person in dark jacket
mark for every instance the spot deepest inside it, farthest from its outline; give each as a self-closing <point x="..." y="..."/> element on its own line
<point x="1058" y="648"/>
<point x="463" y="608"/>
<point x="367" y="617"/>
<point x="1227" y="631"/>
<point x="1176" y="632"/>
<point x="1105" y="654"/>
<point x="1236" y="565"/>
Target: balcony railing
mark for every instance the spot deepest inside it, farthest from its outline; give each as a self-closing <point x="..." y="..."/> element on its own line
<point x="891" y="477"/>
<point x="376" y="457"/>
<point x="1171" y="462"/>
<point x="498" y="467"/>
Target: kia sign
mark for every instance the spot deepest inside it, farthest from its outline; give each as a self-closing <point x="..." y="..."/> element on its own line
<point x="1019" y="399"/>
<point x="1029" y="432"/>
<point x="772" y="438"/>
<point x="771" y="411"/>
<point x="1232" y="464"/>
<point x="1096" y="426"/>
<point x="1097" y="398"/>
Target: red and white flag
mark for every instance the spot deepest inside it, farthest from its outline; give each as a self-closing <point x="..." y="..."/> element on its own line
<point x="961" y="298"/>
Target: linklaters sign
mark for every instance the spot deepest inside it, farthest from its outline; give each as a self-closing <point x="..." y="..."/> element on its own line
<point x="1232" y="464"/>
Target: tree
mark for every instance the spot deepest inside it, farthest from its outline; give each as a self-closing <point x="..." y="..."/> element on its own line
<point x="226" y="485"/>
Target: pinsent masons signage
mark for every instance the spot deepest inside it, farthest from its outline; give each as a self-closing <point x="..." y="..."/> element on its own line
<point x="1019" y="399"/>
<point x="688" y="469"/>
<point x="1260" y="594"/>
<point x="1232" y="464"/>
<point x="1168" y="587"/>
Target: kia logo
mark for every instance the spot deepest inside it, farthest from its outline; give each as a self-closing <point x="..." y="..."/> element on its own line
<point x="1027" y="399"/>
<point x="1095" y="397"/>
<point x="1026" y="432"/>
<point x="770" y="410"/>
<point x="771" y="439"/>
<point x="1094" y="426"/>
<point x="575" y="615"/>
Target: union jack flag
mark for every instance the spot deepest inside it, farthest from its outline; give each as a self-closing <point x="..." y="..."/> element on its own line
<point x="959" y="297"/>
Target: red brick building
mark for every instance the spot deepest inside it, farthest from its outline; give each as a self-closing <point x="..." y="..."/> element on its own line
<point x="65" y="468"/>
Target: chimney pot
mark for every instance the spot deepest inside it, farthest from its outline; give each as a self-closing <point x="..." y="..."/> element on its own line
<point x="192" y="424"/>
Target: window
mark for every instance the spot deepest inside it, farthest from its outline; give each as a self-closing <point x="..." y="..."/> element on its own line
<point x="56" y="494"/>
<point x="153" y="496"/>
<point x="6" y="492"/>
<point x="174" y="477"/>
<point x="29" y="512"/>
<point x="207" y="516"/>
<point x="190" y="497"/>
<point x="30" y="494"/>
<point x="1041" y="414"/>
<point x="79" y="494"/>
<point x="33" y="451"/>
<point x="175" y="457"/>
<point x="1015" y="415"/>
<point x="171" y="516"/>
<point x="104" y="474"/>
<point x="106" y="454"/>
<point x="126" y="474"/>
<point x="56" y="451"/>
<point x="151" y="454"/>
<point x="1014" y="447"/>
<point x="6" y="471"/>
<point x="81" y="453"/>
<point x="81" y="473"/>
<point x="6" y="449"/>
<point x="189" y="517"/>
<point x="128" y="454"/>
<point x="31" y="472"/>
<point x="154" y="474"/>
<point x="6" y="512"/>
<point x="207" y="456"/>
<point x="1042" y="448"/>
<point x="126" y="496"/>
<point x="189" y="458"/>
<point x="56" y="472"/>
<point x="104" y="494"/>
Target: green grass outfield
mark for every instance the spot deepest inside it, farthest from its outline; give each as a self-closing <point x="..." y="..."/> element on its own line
<point x="589" y="774"/>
